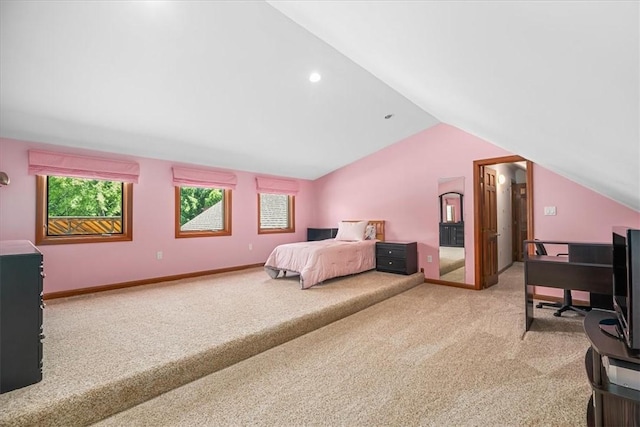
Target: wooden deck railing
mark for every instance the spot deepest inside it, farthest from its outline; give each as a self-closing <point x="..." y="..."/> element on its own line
<point x="72" y="225"/>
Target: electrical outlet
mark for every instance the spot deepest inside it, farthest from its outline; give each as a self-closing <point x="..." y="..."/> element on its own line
<point x="429" y="258"/>
<point x="159" y="255"/>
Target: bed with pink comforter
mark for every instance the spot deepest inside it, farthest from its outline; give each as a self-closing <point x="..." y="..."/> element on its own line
<point x="322" y="260"/>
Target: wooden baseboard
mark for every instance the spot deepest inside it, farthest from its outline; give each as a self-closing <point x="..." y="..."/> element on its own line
<point x="456" y="284"/>
<point x="446" y="283"/>
<point x="93" y="289"/>
<point x="505" y="269"/>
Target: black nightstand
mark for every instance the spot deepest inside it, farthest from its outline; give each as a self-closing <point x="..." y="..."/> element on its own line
<point x="397" y="257"/>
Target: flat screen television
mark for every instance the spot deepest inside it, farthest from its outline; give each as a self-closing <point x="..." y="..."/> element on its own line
<point x="626" y="284"/>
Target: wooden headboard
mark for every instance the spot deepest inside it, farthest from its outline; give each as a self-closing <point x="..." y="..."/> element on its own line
<point x="378" y="223"/>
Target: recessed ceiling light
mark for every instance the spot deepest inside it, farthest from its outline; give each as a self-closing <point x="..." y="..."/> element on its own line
<point x="315" y="77"/>
<point x="388" y="116"/>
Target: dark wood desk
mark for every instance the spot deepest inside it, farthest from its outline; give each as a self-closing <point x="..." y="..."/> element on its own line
<point x="587" y="267"/>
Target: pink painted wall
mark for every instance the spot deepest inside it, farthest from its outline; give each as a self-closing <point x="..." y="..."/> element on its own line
<point x="582" y="215"/>
<point x="93" y="264"/>
<point x="451" y="184"/>
<point x="400" y="185"/>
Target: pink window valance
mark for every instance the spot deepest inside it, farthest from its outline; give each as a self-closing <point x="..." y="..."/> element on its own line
<point x="203" y="178"/>
<point x="62" y="164"/>
<point x="276" y="186"/>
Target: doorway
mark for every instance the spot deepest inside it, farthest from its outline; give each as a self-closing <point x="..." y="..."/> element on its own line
<point x="486" y="232"/>
<point x="519" y="215"/>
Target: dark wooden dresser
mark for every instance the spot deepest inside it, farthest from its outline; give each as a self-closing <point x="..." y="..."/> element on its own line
<point x="397" y="257"/>
<point x="20" y="314"/>
<point x="452" y="234"/>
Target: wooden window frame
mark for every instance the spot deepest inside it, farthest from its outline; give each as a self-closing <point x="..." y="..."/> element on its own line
<point x="226" y="231"/>
<point x="291" y="220"/>
<point x="42" y="216"/>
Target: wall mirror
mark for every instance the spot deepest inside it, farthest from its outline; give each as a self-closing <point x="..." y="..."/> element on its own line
<point x="451" y="229"/>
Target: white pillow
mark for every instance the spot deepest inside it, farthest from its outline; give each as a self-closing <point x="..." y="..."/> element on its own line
<point x="351" y="230"/>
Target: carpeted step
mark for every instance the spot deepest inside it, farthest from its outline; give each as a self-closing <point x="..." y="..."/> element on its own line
<point x="108" y="352"/>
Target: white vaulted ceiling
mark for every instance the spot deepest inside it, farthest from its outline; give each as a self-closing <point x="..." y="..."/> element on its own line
<point x="215" y="83"/>
<point x="226" y="83"/>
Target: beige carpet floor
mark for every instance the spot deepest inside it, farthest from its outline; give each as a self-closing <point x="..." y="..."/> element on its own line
<point x="455" y="276"/>
<point x="108" y="351"/>
<point x="432" y="356"/>
<point x="450" y="259"/>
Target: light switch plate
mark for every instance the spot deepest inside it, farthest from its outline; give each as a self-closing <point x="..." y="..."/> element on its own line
<point x="549" y="210"/>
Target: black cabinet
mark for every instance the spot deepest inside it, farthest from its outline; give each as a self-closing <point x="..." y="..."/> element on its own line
<point x="397" y="257"/>
<point x="20" y="315"/>
<point x="452" y="234"/>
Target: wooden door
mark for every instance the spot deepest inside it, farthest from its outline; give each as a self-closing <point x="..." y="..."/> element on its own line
<point x="519" y="214"/>
<point x="489" y="228"/>
<point x="479" y="243"/>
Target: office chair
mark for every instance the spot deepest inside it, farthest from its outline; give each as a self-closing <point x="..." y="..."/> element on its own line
<point x="567" y="303"/>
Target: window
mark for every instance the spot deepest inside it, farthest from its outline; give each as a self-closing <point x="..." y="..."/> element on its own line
<point x="202" y="212"/>
<point x="276" y="213"/>
<point x="80" y="210"/>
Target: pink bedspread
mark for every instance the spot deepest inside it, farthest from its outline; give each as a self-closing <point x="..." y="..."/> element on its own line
<point x="321" y="260"/>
